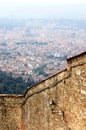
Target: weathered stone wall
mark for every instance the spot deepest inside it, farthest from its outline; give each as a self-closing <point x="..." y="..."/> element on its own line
<point x="36" y="109"/>
<point x="66" y="91"/>
<point x="77" y="104"/>
<point x="10" y="112"/>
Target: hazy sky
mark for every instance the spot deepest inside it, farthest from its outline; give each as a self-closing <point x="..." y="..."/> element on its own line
<point x="43" y="8"/>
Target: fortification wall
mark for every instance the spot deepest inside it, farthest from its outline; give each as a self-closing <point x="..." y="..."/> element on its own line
<point x="36" y="110"/>
<point x="65" y="89"/>
<point x="10" y="112"/>
<point x="57" y="103"/>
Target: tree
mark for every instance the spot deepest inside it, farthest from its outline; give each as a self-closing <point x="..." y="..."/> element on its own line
<point x="11" y="85"/>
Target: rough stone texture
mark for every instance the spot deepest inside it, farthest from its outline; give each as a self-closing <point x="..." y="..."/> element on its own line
<point x="10" y="112"/>
<point x="32" y="111"/>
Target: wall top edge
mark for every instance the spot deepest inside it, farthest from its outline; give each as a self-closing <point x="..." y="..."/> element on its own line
<point x="77" y="55"/>
<point x="11" y="95"/>
<point x="57" y="73"/>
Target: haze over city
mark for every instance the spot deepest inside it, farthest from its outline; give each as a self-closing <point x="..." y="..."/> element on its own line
<point x="36" y="37"/>
<point x="43" y="8"/>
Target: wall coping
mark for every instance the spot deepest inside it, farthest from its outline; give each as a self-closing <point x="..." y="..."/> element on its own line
<point x="41" y="86"/>
<point x="77" y="55"/>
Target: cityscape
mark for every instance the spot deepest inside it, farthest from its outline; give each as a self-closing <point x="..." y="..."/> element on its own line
<point x="38" y="48"/>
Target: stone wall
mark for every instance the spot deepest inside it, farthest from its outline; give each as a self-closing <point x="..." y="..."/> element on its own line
<point x="10" y="112"/>
<point x="57" y="103"/>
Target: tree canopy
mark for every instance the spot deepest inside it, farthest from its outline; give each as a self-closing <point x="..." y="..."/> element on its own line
<point x="12" y="85"/>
